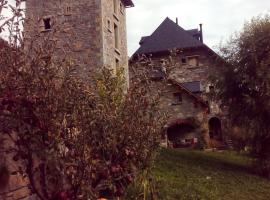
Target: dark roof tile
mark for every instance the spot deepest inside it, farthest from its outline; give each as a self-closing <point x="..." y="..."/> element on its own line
<point x="193" y="86"/>
<point x="167" y="36"/>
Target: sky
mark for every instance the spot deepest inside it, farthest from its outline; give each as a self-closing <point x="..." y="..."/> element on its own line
<point x="220" y="18"/>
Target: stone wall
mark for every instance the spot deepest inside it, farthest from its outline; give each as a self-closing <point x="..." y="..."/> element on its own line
<point x="179" y="110"/>
<point x="185" y="72"/>
<point x="110" y="18"/>
<point x="83" y="31"/>
<point x="76" y="32"/>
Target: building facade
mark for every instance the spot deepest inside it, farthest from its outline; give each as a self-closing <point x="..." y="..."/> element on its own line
<point x="181" y="64"/>
<point x="90" y="32"/>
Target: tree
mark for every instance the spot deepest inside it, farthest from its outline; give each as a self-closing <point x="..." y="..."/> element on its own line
<point x="75" y="139"/>
<point x="243" y="85"/>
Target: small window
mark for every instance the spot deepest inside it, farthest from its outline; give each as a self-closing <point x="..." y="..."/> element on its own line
<point x="178" y="97"/>
<point x="193" y="60"/>
<point x="117" y="64"/>
<point x="184" y="61"/>
<point x="47" y="23"/>
<point x="116" y="36"/>
<point x="68" y="10"/>
<point x="156" y="75"/>
<point x="211" y="88"/>
<point x="109" y="24"/>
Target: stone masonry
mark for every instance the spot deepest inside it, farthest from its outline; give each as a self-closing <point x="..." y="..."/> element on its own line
<point x="90" y="32"/>
<point x="188" y="108"/>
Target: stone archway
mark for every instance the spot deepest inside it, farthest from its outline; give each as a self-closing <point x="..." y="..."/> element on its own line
<point x="215" y="128"/>
<point x="181" y="134"/>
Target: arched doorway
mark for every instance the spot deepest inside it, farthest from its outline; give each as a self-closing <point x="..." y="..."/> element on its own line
<point x="215" y="130"/>
<point x="181" y="134"/>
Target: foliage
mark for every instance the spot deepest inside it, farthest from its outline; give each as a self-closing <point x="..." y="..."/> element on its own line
<point x="243" y="84"/>
<point x="78" y="138"/>
<point x="145" y="187"/>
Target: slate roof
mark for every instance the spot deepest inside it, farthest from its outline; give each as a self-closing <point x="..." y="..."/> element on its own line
<point x="128" y="3"/>
<point x="195" y="33"/>
<point x="167" y="36"/>
<point x="193" y="86"/>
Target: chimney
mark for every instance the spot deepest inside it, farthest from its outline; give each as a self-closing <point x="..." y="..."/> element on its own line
<point x="176" y="20"/>
<point x="201" y="33"/>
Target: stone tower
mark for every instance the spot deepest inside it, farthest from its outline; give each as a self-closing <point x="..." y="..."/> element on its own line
<point x="91" y="32"/>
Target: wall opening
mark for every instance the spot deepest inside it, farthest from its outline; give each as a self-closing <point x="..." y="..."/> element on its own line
<point x="215" y="130"/>
<point x="182" y="135"/>
<point x="47" y="23"/>
<point x="116" y="36"/>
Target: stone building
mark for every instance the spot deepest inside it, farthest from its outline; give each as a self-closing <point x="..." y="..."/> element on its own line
<point x="187" y="61"/>
<point x="90" y="32"/>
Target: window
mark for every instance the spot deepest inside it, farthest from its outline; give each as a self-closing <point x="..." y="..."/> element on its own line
<point x="68" y="10"/>
<point x="211" y="88"/>
<point x="193" y="60"/>
<point x="109" y="25"/>
<point x="184" y="61"/>
<point x="116" y="36"/>
<point x="156" y="75"/>
<point x="115" y="6"/>
<point x="47" y="23"/>
<point x="179" y="98"/>
<point x="117" y="64"/>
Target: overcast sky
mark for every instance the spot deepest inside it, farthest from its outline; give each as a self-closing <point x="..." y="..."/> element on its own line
<point x="220" y="18"/>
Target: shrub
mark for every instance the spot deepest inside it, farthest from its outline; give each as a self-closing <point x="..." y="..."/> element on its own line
<point x="77" y="138"/>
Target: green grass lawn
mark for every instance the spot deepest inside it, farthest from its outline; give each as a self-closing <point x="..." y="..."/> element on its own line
<point x="198" y="175"/>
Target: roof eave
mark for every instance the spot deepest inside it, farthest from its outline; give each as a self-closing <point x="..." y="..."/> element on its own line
<point x="198" y="99"/>
<point x="128" y="3"/>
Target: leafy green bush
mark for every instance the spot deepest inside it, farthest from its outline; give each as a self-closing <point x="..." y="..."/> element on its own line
<point x="243" y="85"/>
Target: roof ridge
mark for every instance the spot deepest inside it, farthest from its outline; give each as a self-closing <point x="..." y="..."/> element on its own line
<point x="168" y="35"/>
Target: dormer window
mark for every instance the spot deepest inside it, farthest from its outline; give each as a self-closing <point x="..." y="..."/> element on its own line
<point x="47" y="23"/>
<point x="193" y="60"/>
